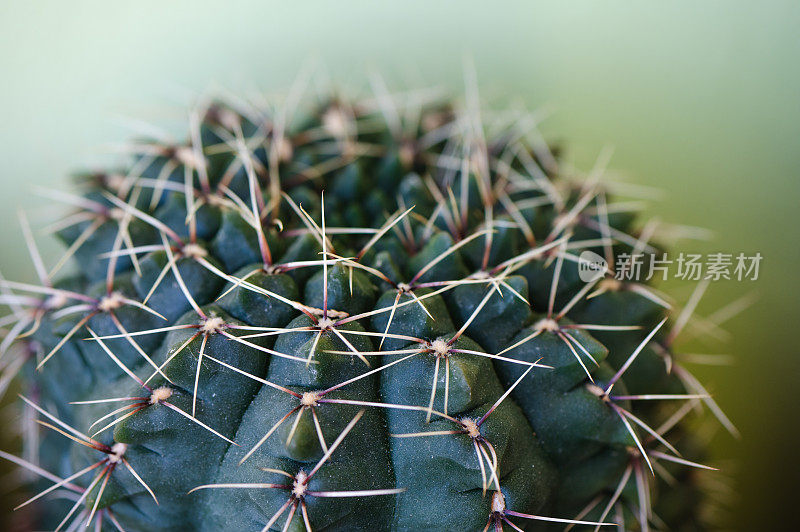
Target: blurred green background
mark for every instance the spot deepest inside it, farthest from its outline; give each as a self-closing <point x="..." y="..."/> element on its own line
<point x="699" y="99"/>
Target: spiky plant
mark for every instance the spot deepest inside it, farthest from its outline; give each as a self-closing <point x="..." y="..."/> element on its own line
<point x="365" y="316"/>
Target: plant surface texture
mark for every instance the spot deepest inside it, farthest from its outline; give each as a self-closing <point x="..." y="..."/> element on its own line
<point x="341" y="315"/>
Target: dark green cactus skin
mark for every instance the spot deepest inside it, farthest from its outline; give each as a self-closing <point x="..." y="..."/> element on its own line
<point x="559" y="445"/>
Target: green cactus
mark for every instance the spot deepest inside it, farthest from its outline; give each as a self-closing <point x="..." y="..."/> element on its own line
<point x="363" y="316"/>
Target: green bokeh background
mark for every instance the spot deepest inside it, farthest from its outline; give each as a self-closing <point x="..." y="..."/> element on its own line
<point x="699" y="99"/>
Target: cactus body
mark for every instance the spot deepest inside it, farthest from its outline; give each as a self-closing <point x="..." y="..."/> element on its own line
<point x="366" y="318"/>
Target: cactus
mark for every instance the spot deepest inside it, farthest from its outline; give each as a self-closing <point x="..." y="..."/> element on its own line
<point x="353" y="315"/>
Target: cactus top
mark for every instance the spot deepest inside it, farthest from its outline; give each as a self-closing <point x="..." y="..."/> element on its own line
<point x="368" y="315"/>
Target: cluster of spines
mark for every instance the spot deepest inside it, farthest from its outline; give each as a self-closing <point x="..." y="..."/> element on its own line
<point x="254" y="189"/>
